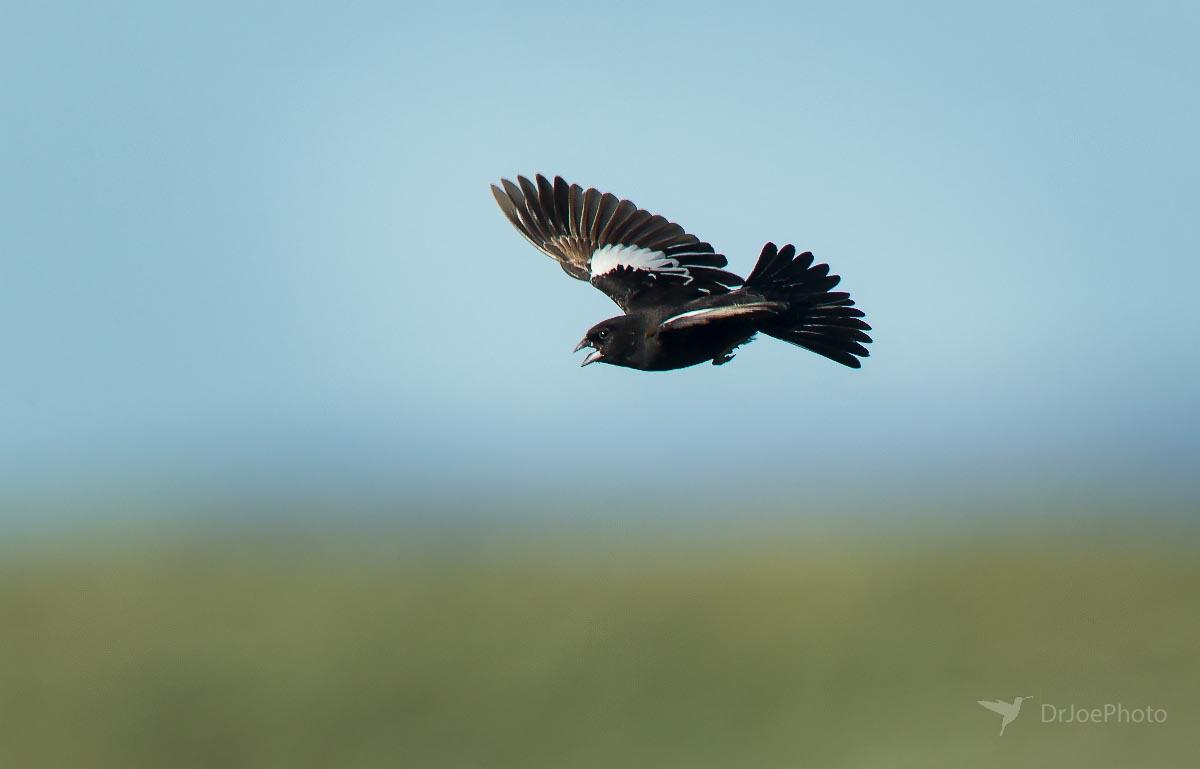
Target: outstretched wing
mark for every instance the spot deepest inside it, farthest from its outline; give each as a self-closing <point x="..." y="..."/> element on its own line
<point x="635" y="257"/>
<point x="995" y="706"/>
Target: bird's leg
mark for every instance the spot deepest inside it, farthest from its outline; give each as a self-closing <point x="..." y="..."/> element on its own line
<point x="725" y="356"/>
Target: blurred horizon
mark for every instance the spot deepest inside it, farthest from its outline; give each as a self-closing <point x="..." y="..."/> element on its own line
<point x="593" y="646"/>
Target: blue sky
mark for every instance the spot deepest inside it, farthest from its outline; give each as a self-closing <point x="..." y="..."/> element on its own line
<point x="258" y="243"/>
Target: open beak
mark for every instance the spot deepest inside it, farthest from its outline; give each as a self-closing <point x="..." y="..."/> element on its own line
<point x="592" y="356"/>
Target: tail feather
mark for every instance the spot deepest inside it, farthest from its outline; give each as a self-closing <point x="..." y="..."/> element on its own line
<point x="817" y="319"/>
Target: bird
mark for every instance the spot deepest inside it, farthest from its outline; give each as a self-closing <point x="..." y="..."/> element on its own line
<point x="1007" y="710"/>
<point x="680" y="306"/>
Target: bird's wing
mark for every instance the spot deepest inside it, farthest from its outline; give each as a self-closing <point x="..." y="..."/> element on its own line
<point x="703" y="316"/>
<point x="995" y="706"/>
<point x="635" y="257"/>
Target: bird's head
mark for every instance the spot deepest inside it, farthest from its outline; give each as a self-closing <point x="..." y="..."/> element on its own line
<point x="612" y="341"/>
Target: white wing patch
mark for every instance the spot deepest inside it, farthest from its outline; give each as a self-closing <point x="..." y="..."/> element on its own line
<point x="608" y="258"/>
<point x="690" y="314"/>
<point x="710" y="314"/>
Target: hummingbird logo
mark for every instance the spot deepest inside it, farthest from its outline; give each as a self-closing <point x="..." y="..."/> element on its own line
<point x="1007" y="710"/>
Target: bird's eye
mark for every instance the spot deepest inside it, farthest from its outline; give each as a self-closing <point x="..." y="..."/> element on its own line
<point x="602" y="334"/>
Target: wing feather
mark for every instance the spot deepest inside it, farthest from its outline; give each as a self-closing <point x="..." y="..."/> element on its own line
<point x="612" y="230"/>
<point x="575" y="197"/>
<point x="707" y="315"/>
<point x="591" y="209"/>
<point x="646" y="258"/>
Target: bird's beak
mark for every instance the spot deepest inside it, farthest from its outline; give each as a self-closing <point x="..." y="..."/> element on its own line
<point x="592" y="356"/>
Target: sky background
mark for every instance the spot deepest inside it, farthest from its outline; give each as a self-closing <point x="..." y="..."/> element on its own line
<point x="253" y="244"/>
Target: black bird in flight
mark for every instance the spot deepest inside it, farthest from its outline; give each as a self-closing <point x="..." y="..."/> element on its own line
<point x="681" y="307"/>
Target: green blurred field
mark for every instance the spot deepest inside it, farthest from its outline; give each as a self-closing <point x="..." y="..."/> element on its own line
<point x="772" y="648"/>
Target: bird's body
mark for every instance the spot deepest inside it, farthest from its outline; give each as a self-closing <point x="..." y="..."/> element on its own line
<point x="681" y="307"/>
<point x="652" y="350"/>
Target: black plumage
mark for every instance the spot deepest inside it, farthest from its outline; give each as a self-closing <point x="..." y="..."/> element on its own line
<point x="681" y="307"/>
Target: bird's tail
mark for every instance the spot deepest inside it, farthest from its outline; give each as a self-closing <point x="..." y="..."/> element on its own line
<point x="817" y="319"/>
